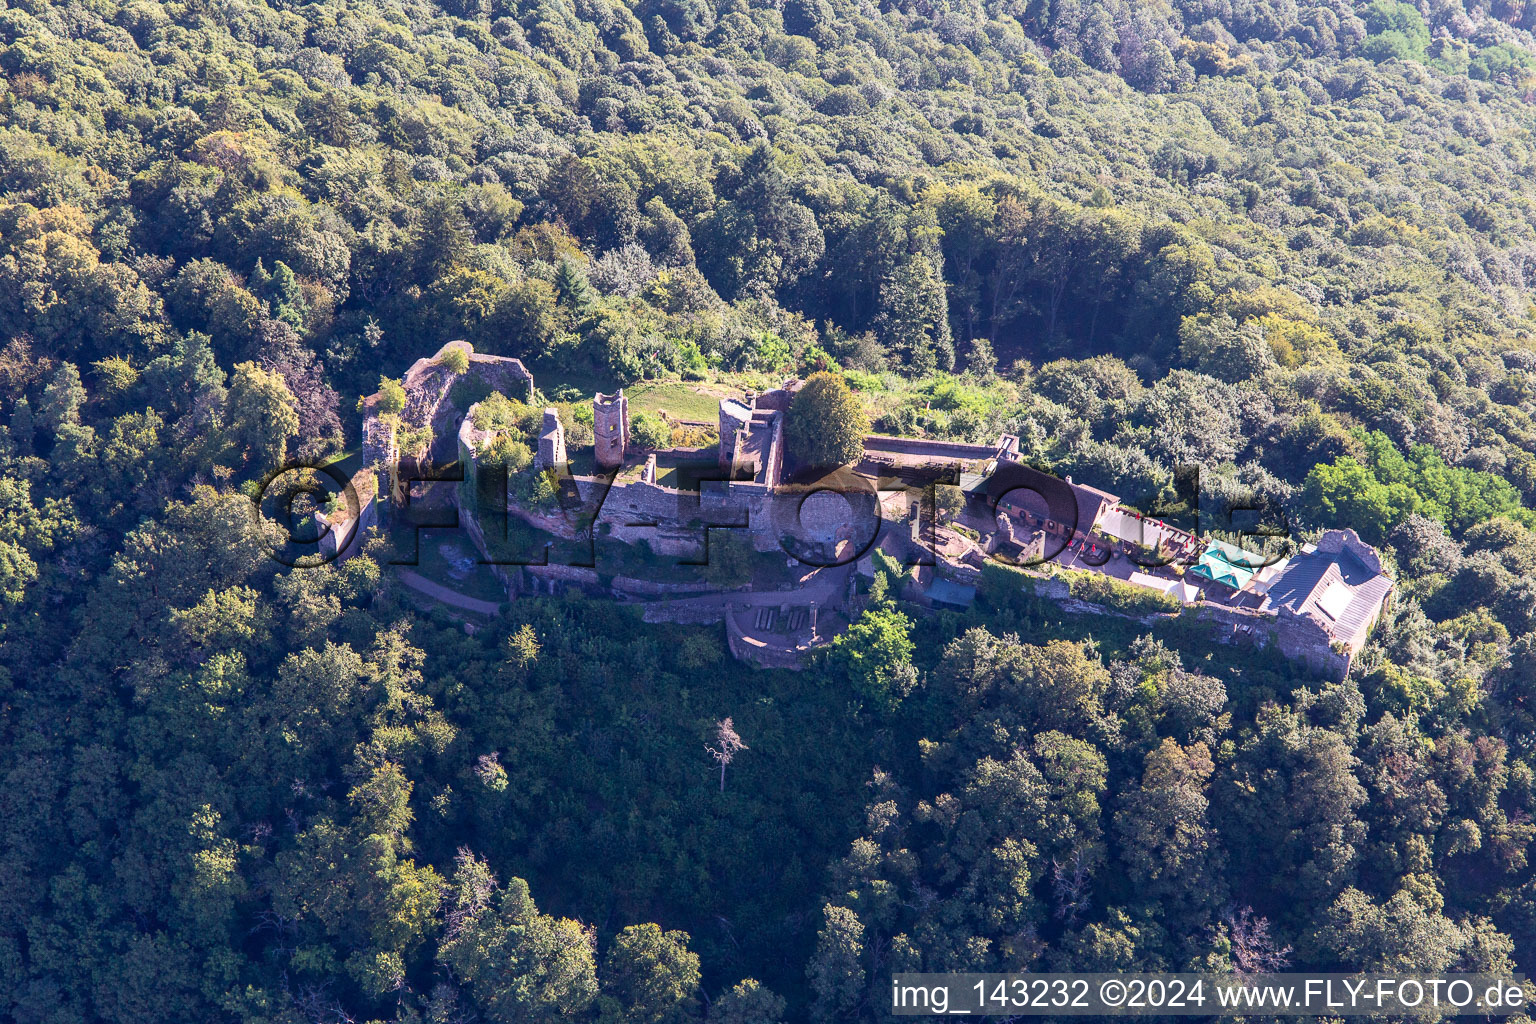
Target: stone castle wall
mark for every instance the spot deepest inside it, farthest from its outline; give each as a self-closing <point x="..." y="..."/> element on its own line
<point x="1301" y="639"/>
<point x="610" y="429"/>
<point x="343" y="538"/>
<point x="506" y="574"/>
<point x="551" y="441"/>
<point x="953" y="451"/>
<point x="509" y="376"/>
<point x="547" y="577"/>
<point x="681" y="516"/>
<point x="427" y="385"/>
<point x="630" y="586"/>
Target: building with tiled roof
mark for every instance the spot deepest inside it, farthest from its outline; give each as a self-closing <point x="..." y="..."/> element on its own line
<point x="1040" y="501"/>
<point x="1327" y="598"/>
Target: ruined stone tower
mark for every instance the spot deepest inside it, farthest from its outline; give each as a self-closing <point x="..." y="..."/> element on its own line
<point x="610" y="425"/>
<point x="735" y="416"/>
<point x="551" y="441"/>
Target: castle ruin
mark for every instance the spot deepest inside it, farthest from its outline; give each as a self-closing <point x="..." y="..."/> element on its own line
<point x="752" y="434"/>
<point x="1317" y="607"/>
<point x="610" y="428"/>
<point x="551" y="442"/>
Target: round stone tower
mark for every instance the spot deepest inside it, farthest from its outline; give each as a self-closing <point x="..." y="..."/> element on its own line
<point x="610" y="425"/>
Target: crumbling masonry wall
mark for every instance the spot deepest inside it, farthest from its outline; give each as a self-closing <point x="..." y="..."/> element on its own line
<point x="610" y="429"/>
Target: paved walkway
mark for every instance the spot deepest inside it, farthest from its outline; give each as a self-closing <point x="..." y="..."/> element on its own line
<point x="437" y="592"/>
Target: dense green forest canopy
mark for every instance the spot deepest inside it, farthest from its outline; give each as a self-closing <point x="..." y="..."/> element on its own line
<point x="1291" y="241"/>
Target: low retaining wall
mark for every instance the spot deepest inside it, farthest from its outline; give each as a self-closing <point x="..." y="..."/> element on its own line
<point x="947" y="450"/>
<point x="743" y="649"/>
<point x="571" y="575"/>
<point x="683" y="612"/>
<point x="655" y="588"/>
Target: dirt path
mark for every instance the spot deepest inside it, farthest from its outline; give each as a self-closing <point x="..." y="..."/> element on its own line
<point x="437" y="592"/>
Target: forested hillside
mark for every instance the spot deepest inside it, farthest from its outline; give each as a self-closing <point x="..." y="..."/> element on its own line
<point x="1291" y="241"/>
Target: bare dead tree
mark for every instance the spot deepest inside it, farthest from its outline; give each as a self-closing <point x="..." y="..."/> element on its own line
<point x="1070" y="883"/>
<point x="1254" y="950"/>
<point x="316" y="1005"/>
<point x="728" y="743"/>
<point x="281" y="927"/>
<point x="444" y="1005"/>
<point x="473" y="886"/>
<point x="923" y="899"/>
<point x="488" y="770"/>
